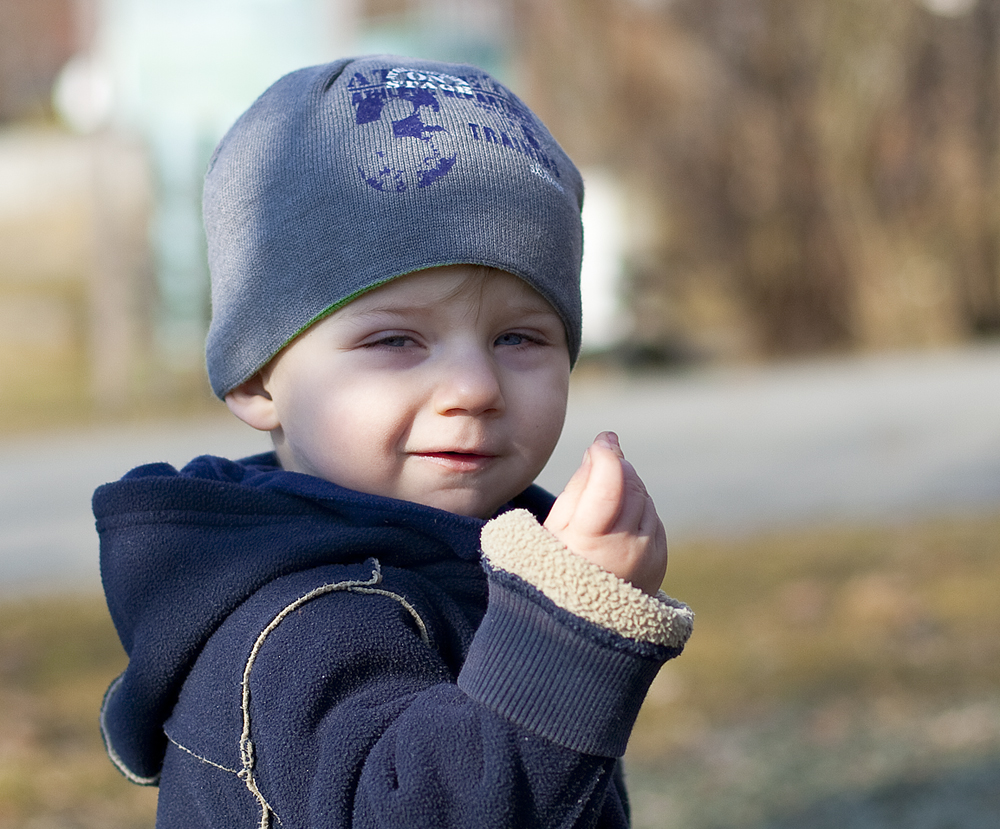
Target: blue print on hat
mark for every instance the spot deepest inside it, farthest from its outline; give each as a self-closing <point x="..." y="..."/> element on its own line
<point x="434" y="118"/>
<point x="414" y="93"/>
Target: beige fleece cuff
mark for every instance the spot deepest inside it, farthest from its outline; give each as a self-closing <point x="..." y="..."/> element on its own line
<point x="516" y="543"/>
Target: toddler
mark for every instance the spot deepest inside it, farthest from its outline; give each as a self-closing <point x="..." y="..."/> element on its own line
<point x="384" y="622"/>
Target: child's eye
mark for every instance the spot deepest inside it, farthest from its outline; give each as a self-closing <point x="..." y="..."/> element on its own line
<point x="393" y="341"/>
<point x="514" y="338"/>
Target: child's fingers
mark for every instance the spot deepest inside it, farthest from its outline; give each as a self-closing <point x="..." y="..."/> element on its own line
<point x="601" y="499"/>
<point x="611" y="438"/>
<point x="652" y="527"/>
<point x="650" y="523"/>
<point x="634" y="501"/>
<point x="606" y="516"/>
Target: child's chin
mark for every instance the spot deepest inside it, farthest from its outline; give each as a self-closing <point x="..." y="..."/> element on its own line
<point x="470" y="505"/>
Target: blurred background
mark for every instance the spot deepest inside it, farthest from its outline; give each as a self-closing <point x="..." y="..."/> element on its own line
<point x="792" y="302"/>
<point x="765" y="178"/>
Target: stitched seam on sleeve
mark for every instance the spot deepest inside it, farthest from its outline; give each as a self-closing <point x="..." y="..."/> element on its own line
<point x="516" y="543"/>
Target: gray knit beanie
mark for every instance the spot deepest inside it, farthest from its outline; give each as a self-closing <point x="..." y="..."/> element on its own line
<point x="342" y="177"/>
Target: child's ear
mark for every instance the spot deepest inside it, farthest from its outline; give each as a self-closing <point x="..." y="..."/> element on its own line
<point x="251" y="402"/>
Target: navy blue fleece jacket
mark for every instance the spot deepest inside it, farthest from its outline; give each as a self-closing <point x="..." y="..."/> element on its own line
<point x="302" y="655"/>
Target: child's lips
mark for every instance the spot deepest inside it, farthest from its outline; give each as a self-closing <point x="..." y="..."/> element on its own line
<point x="459" y="461"/>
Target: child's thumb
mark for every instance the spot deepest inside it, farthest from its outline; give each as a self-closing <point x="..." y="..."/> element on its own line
<point x="563" y="509"/>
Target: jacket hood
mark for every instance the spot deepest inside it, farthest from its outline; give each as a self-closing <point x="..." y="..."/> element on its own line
<point x="181" y="549"/>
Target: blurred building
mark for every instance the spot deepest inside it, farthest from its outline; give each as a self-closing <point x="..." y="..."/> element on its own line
<point x="45" y="228"/>
<point x="109" y="110"/>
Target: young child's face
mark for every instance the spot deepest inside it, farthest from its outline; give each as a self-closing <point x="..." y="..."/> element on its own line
<point x="446" y="387"/>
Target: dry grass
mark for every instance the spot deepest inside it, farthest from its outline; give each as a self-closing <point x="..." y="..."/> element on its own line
<point x="852" y="653"/>
<point x="813" y="617"/>
<point x="828" y="664"/>
<point x="57" y="656"/>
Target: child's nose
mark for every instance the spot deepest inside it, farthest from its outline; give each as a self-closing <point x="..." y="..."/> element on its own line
<point x="468" y="384"/>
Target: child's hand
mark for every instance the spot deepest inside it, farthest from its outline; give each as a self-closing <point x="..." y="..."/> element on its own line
<point x="606" y="516"/>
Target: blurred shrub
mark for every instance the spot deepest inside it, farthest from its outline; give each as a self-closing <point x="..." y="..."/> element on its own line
<point x="805" y="175"/>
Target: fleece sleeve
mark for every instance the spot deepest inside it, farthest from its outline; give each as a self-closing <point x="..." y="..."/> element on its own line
<point x="566" y="650"/>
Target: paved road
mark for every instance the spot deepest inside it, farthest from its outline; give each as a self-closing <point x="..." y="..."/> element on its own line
<point x="722" y="451"/>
